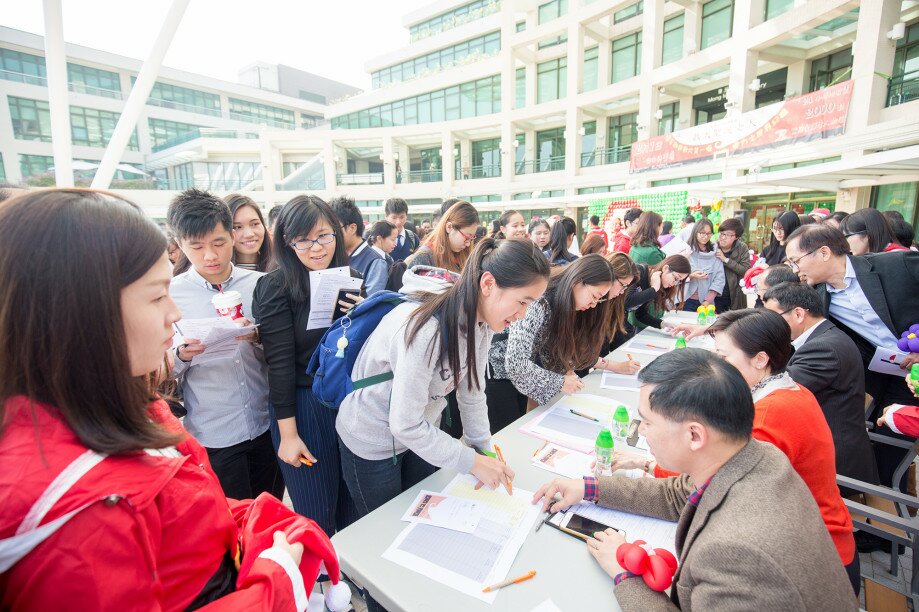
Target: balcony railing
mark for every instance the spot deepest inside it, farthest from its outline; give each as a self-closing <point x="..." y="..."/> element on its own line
<point x="420" y="176"/>
<point x="903" y="88"/>
<point x="34" y="79"/>
<point x="311" y="184"/>
<point x="486" y="171"/>
<point x="206" y="183"/>
<point x="202" y="133"/>
<point x="453" y="22"/>
<point x="602" y="157"/>
<point x="283" y="125"/>
<point x="368" y="178"/>
<point x="188" y="108"/>
<point x="545" y="164"/>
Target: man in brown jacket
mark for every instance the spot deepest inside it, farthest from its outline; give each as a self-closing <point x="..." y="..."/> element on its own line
<point x="735" y="255"/>
<point x="750" y="536"/>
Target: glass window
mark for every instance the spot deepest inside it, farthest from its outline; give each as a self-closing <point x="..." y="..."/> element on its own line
<point x="622" y="132"/>
<point x="774" y="8"/>
<point x="2" y="169"/>
<point x="84" y="79"/>
<point x="552" y="10"/>
<point x="486" y="158"/>
<point x="22" y="67"/>
<point x="717" y="22"/>
<point x="672" y="45"/>
<point x="831" y="69"/>
<point x="94" y="128"/>
<point x="551" y="80"/>
<point x="521" y="88"/>
<point x="253" y="112"/>
<point x="668" y="121"/>
<point x="163" y="131"/>
<point x="591" y="68"/>
<point x="629" y="12"/>
<point x="904" y="82"/>
<point x="453" y="18"/>
<point x="31" y="119"/>
<point x="183" y="98"/>
<point x="35" y="165"/>
<point x="550" y="149"/>
<point x="900" y="197"/>
<point x="588" y="140"/>
<point x="521" y="26"/>
<point x="626" y="61"/>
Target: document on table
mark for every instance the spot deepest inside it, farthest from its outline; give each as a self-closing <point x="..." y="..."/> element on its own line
<point x="656" y="532"/>
<point x="887" y="361"/>
<point x="568" y="463"/>
<point x="654" y="346"/>
<point x="561" y="426"/>
<point x="218" y="335"/>
<point x="444" y="511"/>
<point x="468" y="562"/>
<point x="324" y="288"/>
<point x="624" y="382"/>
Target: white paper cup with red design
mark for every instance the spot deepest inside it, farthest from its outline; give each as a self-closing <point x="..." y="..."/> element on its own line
<point x="229" y="304"/>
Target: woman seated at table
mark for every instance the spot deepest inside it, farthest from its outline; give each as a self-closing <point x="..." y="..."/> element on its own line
<point x="758" y="343"/>
<point x="560" y="333"/>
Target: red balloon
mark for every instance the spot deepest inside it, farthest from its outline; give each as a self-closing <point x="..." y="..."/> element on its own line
<point x="658" y="574"/>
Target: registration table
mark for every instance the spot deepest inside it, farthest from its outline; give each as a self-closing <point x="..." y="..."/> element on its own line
<point x="566" y="572"/>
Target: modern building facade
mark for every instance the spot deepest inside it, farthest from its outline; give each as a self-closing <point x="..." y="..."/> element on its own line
<point x="546" y="106"/>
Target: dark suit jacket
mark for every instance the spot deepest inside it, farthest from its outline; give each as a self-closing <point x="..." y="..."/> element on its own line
<point x="756" y="541"/>
<point x="828" y="364"/>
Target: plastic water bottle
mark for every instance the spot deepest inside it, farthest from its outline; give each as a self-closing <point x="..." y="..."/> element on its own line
<point x="914" y="377"/>
<point x="710" y="314"/>
<point x="621" y="420"/>
<point x="702" y="319"/>
<point x="680" y="341"/>
<point x="604" y="454"/>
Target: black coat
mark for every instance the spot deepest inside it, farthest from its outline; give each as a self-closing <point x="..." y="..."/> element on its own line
<point x="828" y="365"/>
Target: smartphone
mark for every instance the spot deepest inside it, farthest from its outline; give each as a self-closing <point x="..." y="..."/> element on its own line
<point x="583" y="527"/>
<point x="340" y="310"/>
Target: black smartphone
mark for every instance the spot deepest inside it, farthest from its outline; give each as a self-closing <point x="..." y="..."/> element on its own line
<point x="342" y="296"/>
<point x="584" y="527"/>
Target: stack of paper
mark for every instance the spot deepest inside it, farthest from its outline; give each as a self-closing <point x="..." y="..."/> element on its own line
<point x="324" y="288"/>
<point x="566" y="462"/>
<point x="218" y="335"/>
<point x="573" y="421"/>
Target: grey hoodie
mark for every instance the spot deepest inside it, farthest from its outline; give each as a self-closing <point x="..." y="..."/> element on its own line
<point x="404" y="414"/>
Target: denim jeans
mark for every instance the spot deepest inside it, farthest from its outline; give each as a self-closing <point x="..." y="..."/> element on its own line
<point x="372" y="483"/>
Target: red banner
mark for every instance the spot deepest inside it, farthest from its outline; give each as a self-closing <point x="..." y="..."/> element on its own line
<point x="809" y="117"/>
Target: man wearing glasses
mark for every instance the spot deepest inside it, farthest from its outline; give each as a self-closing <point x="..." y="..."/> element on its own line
<point x="872" y="298"/>
<point x="735" y="255"/>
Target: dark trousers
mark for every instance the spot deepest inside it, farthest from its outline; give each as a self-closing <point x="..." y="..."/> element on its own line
<point x="318" y="492"/>
<point x="887" y="390"/>
<point x="373" y="482"/>
<point x="247" y="469"/>
<point x="505" y="403"/>
<point x="450" y="420"/>
<point x="722" y="302"/>
<point x="854" y="572"/>
<point x="691" y="305"/>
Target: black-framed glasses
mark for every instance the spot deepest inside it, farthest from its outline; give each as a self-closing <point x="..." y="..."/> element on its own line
<point x="793" y="263"/>
<point x="855" y="233"/>
<point x="305" y="244"/>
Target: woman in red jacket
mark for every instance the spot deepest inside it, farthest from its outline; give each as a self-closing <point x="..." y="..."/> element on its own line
<point x="106" y="502"/>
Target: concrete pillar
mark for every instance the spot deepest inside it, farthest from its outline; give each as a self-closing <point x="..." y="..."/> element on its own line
<point x="604" y="62"/>
<point x="446" y="156"/>
<point x="329" y="166"/>
<point x="872" y="58"/>
<point x="685" y="118"/>
<point x="266" y="154"/>
<point x="798" y="77"/>
<point x="56" y="65"/>
<point x="389" y="162"/>
<point x="602" y="129"/>
<point x="743" y="70"/>
<point x="530" y="83"/>
<point x="508" y="151"/>
<point x="692" y="29"/>
<point x="573" y="87"/>
<point x="651" y="41"/>
<point x="573" y="120"/>
<point x="465" y="158"/>
<point x="850" y="200"/>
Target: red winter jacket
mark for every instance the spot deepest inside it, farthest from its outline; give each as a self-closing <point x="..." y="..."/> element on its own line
<point x="156" y="529"/>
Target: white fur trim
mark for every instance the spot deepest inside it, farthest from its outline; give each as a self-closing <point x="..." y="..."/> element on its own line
<point x="890" y="420"/>
<point x="316" y="604"/>
<point x="293" y="572"/>
<point x="338" y="599"/>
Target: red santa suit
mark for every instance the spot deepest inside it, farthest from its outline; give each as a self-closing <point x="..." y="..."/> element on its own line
<point x="142" y="531"/>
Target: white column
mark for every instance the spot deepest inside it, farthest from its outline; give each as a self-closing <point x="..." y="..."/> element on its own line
<point x="56" y="66"/>
<point x="329" y="166"/>
<point x="389" y="165"/>
<point x="872" y="58"/>
<point x="604" y="60"/>
<point x="138" y="96"/>
<point x="573" y="88"/>
<point x="266" y="155"/>
<point x="692" y="29"/>
<point x="797" y="82"/>
<point x="743" y="62"/>
<point x="651" y="40"/>
<point x="447" y="160"/>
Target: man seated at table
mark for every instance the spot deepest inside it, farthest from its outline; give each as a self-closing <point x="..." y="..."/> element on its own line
<point x="750" y="535"/>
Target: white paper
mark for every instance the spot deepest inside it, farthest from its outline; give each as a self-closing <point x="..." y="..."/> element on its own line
<point x="656" y="532"/>
<point x="676" y="246"/>
<point x="887" y="361"/>
<point x="547" y="606"/>
<point x="653" y="346"/>
<point x="563" y="461"/>
<point x="324" y="288"/>
<point x="625" y="382"/>
<point x="444" y="511"/>
<point x="469" y="562"/>
<point x="218" y="335"/>
<point x="560" y="426"/>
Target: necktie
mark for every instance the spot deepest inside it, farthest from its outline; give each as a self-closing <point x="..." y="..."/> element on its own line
<point x="399" y="241"/>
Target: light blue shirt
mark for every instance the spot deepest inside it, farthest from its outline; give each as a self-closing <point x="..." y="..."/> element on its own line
<point x="227" y="400"/>
<point x="851" y="307"/>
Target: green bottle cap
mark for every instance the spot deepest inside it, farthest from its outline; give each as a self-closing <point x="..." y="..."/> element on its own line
<point x="711" y="309"/>
<point x="605" y="438"/>
<point x="621" y="414"/>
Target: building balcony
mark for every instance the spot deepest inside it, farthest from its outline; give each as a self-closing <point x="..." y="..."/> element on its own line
<point x="488" y="171"/>
<point x="602" y="157"/>
<point x="903" y="88"/>
<point x="281" y="125"/>
<point x="81" y="88"/>
<point x="367" y="178"/>
<point x="544" y="164"/>
<point x="419" y="176"/>
<point x="188" y="108"/>
<point x="202" y="133"/>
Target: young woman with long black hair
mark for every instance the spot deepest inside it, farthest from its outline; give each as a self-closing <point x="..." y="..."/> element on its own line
<point x="251" y="242"/>
<point x="560" y="240"/>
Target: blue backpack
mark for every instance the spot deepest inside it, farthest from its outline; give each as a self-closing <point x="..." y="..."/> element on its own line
<point x="333" y="360"/>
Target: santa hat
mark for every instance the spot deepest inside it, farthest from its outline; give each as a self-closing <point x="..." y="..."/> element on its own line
<point x="823" y="213"/>
<point x="748" y="282"/>
<point x="264" y="517"/>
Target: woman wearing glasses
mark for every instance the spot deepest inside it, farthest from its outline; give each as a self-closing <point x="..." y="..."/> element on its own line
<point x="868" y="231"/>
<point x="658" y="289"/>
<point x="782" y="227"/>
<point x="307" y="238"/>
<point x="449" y="245"/>
<point x="707" y="279"/>
<point x="563" y="332"/>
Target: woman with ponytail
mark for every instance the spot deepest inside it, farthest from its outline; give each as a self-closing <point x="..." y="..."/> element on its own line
<point x="433" y="344"/>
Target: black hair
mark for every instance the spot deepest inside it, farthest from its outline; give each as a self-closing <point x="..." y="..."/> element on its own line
<point x="8" y="190"/>
<point x="667" y="227"/>
<point x="380" y="229"/>
<point x="893" y="214"/>
<point x="806" y="219"/>
<point x="693" y="241"/>
<point x="778" y="274"/>
<point x="503" y="220"/>
<point x="537" y="221"/>
<point x="796" y="295"/>
<point x="558" y="238"/>
<point x="297" y="219"/>
<point x="447" y="204"/>
<point x="396" y="206"/>
<point x="265" y="261"/>
<point x="732" y="224"/>
<point x="273" y="214"/>
<point x="838" y="216"/>
<point x="513" y="263"/>
<point x="696" y="385"/>
<point x="871" y="223"/>
<point x="631" y="215"/>
<point x="790" y="222"/>
<point x="756" y="330"/>
<point x="195" y="212"/>
<point x="812" y="237"/>
<point x="348" y="213"/>
<point x="594" y="220"/>
<point x="689" y="219"/>
<point x="902" y="231"/>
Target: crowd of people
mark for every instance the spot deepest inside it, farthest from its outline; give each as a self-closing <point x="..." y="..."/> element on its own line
<point x="186" y="513"/>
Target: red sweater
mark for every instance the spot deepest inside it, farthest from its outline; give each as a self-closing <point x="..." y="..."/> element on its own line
<point x="793" y="422"/>
<point x="622" y="242"/>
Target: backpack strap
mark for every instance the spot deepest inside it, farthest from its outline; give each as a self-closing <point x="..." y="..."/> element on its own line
<point x="372" y="380"/>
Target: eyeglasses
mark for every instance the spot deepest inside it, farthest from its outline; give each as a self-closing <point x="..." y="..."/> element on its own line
<point x="727" y="235"/>
<point x="856" y="233"/>
<point x="705" y="234"/>
<point x="305" y="244"/>
<point x="463" y="234"/>
<point x="793" y="263"/>
<point x="778" y="228"/>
